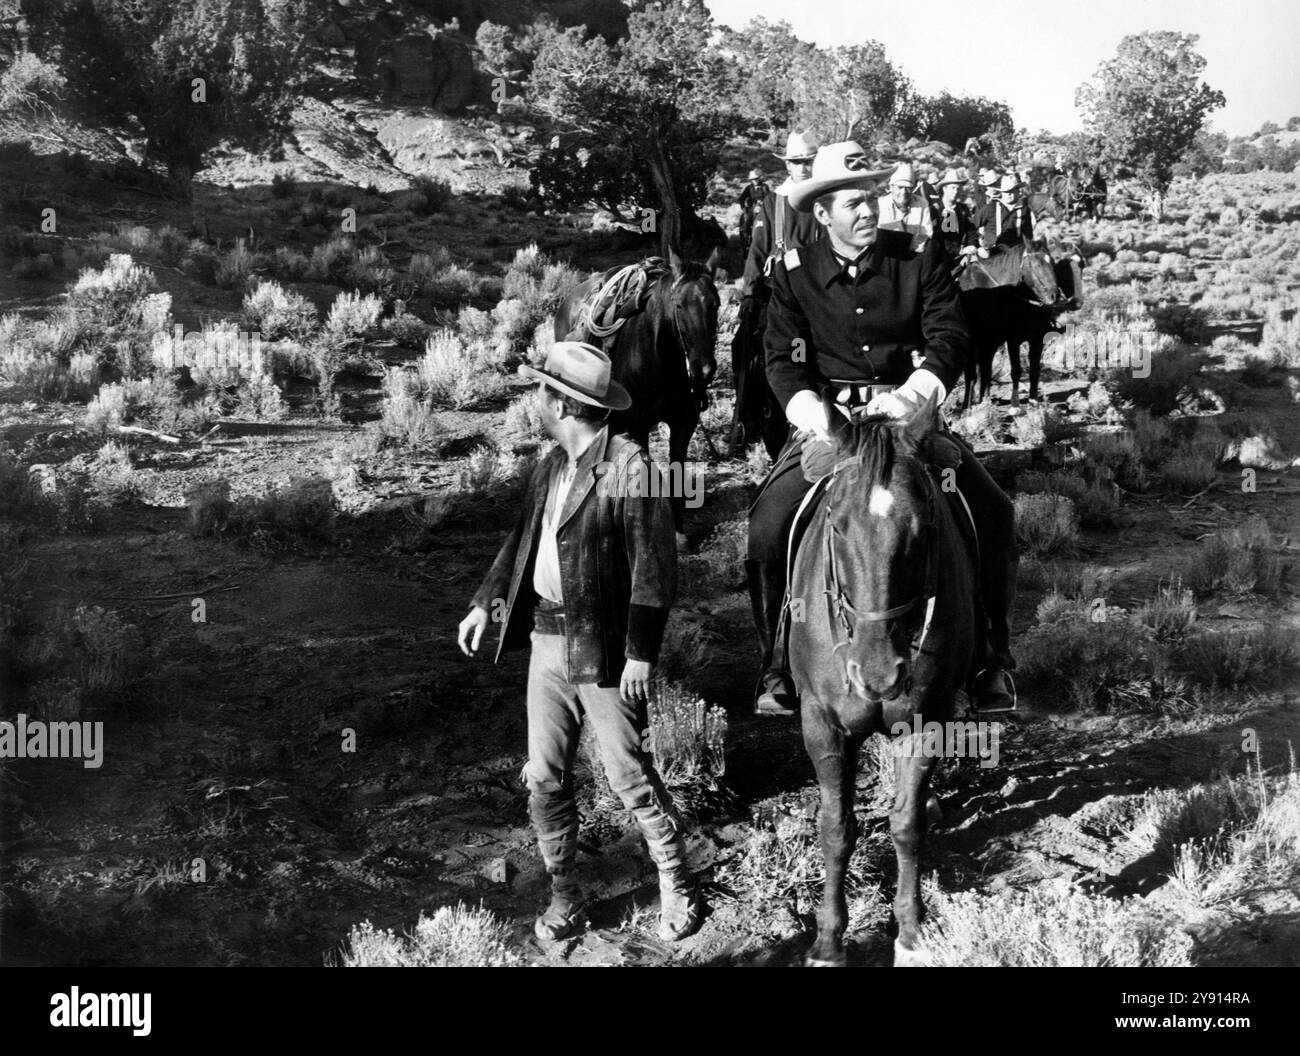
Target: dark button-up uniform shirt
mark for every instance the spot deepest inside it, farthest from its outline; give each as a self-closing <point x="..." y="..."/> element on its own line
<point x="955" y="227"/>
<point x="824" y="324"/>
<point x="799" y="229"/>
<point x="1013" y="229"/>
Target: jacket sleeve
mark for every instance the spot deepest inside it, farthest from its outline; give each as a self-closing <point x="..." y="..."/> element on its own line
<point x="759" y="248"/>
<point x="496" y="584"/>
<point x="791" y="367"/>
<point x="943" y="323"/>
<point x="651" y="542"/>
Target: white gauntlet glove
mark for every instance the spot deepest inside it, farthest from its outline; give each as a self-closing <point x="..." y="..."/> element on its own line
<point x="904" y="400"/>
<point x="805" y="411"/>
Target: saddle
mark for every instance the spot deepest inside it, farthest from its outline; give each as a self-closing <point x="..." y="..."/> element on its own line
<point x="622" y="294"/>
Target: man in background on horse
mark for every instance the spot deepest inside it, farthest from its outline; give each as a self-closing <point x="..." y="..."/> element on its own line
<point x="1007" y="220"/>
<point x="777" y="230"/>
<point x="858" y="318"/>
<point x="588" y="575"/>
<point x="750" y="199"/>
<point x="952" y="217"/>
<point x="904" y="209"/>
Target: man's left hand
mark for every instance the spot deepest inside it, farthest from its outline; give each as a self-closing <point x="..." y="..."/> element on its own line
<point x="635" y="683"/>
<point x="888" y="404"/>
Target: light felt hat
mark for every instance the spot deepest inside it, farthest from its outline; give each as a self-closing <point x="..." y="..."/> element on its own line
<point x="1009" y="182"/>
<point x="799" y="146"/>
<point x="989" y="178"/>
<point x="582" y="371"/>
<point x="837" y="165"/>
<point x="951" y="176"/>
<point x="754" y="174"/>
<point x="903" y="176"/>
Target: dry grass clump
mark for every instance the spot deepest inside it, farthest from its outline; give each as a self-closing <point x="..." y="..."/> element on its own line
<point x="1237" y="659"/>
<point x="1237" y="562"/>
<point x="301" y="512"/>
<point x="1170" y="615"/>
<point x="688" y="740"/>
<point x="1046" y="523"/>
<point x="405" y="419"/>
<point x="720" y="563"/>
<point x="1096" y="501"/>
<point x="1281" y="337"/>
<point x="1172" y="372"/>
<point x="979" y="426"/>
<point x="1049" y="926"/>
<point x="453" y="937"/>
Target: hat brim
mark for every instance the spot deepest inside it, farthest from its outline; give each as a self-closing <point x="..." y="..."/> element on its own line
<point x="795" y="157"/>
<point x="802" y="195"/>
<point x="615" y="399"/>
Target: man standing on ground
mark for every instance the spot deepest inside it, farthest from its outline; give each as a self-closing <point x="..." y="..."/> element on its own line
<point x="590" y="570"/>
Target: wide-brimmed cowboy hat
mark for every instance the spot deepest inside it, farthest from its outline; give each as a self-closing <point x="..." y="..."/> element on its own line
<point x="837" y="165"/>
<point x="753" y="174"/>
<point x="903" y="176"/>
<point x="1009" y="182"/>
<point x="989" y="177"/>
<point x="799" y="146"/>
<point x="952" y="176"/>
<point x="582" y="371"/>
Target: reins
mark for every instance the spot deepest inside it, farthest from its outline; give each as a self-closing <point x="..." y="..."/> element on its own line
<point x="839" y="606"/>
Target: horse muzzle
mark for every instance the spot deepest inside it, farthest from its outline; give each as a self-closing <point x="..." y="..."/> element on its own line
<point x="900" y="685"/>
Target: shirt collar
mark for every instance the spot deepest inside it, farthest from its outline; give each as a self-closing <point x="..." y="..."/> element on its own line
<point x="827" y="265"/>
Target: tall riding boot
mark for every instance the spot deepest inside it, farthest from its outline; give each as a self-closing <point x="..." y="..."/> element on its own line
<point x="555" y="820"/>
<point x="679" y="897"/>
<point x="775" y="693"/>
<point x="993" y="690"/>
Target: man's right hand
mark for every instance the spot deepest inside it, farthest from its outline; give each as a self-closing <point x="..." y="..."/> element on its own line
<point x="807" y="413"/>
<point x="471" y="630"/>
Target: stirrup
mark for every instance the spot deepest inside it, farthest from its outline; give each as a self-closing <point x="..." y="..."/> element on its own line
<point x="773" y="708"/>
<point x="1011" y="685"/>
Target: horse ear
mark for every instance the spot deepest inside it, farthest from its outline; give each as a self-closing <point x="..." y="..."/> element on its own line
<point x="922" y="422"/>
<point x="714" y="262"/>
<point x="675" y="260"/>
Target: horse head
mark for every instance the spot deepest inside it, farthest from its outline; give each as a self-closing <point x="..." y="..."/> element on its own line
<point x="879" y="559"/>
<point x="1038" y="273"/>
<point x="693" y="303"/>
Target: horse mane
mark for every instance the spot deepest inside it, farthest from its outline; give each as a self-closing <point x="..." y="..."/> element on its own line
<point x="874" y="444"/>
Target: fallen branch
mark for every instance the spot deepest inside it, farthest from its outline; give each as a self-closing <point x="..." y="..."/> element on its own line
<point x="180" y="594"/>
<point x="140" y="430"/>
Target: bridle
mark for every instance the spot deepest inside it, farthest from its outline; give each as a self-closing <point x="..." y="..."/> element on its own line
<point x="840" y="609"/>
<point x="674" y="308"/>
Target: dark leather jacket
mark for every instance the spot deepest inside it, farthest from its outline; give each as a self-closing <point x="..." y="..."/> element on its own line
<point x="618" y="561"/>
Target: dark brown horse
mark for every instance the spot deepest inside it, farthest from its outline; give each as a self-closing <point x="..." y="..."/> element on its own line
<point x="663" y="353"/>
<point x="888" y="633"/>
<point x="1009" y="299"/>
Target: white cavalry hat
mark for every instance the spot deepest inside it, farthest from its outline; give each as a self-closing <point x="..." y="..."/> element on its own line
<point x="837" y="165"/>
<point x="799" y="146"/>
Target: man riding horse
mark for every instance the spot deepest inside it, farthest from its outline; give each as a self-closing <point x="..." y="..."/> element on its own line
<point x="777" y="230"/>
<point x="1006" y="219"/>
<point x="858" y="318"/>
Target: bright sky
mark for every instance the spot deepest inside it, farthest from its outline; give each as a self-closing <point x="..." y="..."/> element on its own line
<point x="1033" y="55"/>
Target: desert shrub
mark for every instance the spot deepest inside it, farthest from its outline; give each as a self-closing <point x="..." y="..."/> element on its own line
<point x="1095" y="501"/>
<point x="369" y="270"/>
<point x="404" y="418"/>
<point x="1050" y="925"/>
<point x="451" y="374"/>
<point x="1256" y="372"/>
<point x="1281" y="337"/>
<point x="331" y="260"/>
<point x="209" y="507"/>
<point x="303" y="510"/>
<point x="454" y="937"/>
<point x="259" y="399"/>
<point x="427" y="196"/>
<point x="277" y="313"/>
<point x="719" y="565"/>
<point x="1169" y="615"/>
<point x="1237" y="562"/>
<point x="1184" y="322"/>
<point x="112" y="479"/>
<point x="409" y="331"/>
<point x="235" y="270"/>
<point x="1172" y="371"/>
<point x="283" y="185"/>
<point x="516" y="322"/>
<point x="523" y="421"/>
<point x="289" y="263"/>
<point x="1153" y="437"/>
<point x="105" y="646"/>
<point x="353" y="318"/>
<point x="1189" y="473"/>
<point x="1046" y="523"/>
<point x="1042" y="425"/>
<point x="1235" y="659"/>
<point x="979" y="426"/>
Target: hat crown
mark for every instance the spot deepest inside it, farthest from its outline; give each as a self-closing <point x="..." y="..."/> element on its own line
<point x="800" y="145"/>
<point x="903" y="175"/>
<point x="580" y="364"/>
<point x="1009" y="182"/>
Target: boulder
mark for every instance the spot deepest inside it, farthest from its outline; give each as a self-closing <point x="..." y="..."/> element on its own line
<point x="433" y="68"/>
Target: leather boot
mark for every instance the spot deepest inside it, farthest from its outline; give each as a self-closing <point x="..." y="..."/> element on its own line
<point x="775" y="693"/>
<point x="555" y="819"/>
<point x="679" y="898"/>
<point x="993" y="689"/>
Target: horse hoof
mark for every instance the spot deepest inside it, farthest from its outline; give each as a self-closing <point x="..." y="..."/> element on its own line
<point x="905" y="958"/>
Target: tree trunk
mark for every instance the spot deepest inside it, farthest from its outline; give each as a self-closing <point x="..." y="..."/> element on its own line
<point x="670" y="215"/>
